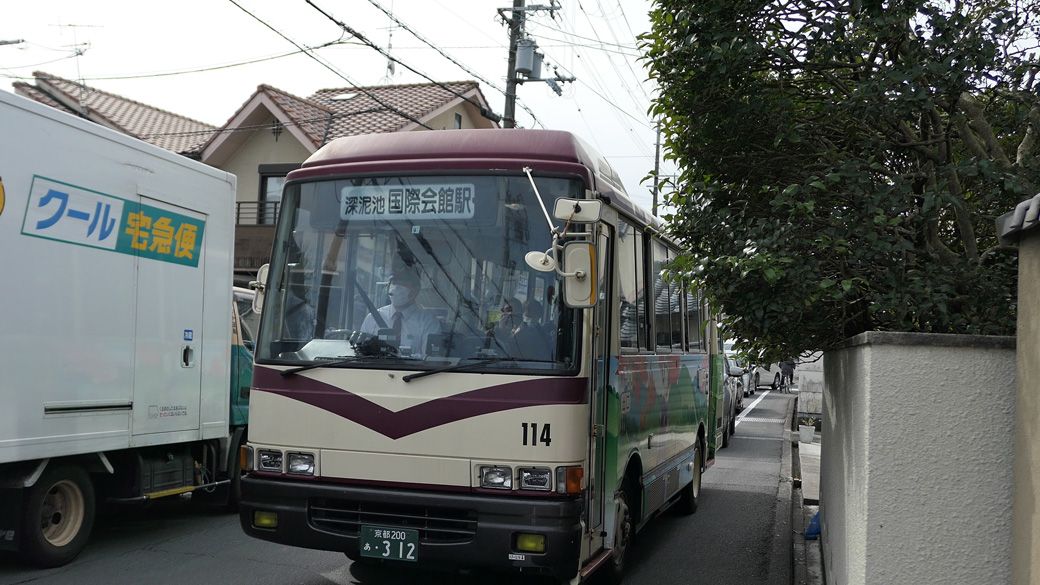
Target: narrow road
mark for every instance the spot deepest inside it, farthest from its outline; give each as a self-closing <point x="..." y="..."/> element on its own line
<point x="736" y="537"/>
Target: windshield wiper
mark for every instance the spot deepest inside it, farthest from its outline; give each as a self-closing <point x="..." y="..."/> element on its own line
<point x="328" y="364"/>
<point x="457" y="367"/>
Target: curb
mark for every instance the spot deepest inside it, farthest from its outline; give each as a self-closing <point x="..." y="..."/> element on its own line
<point x="781" y="558"/>
<point x="806" y="558"/>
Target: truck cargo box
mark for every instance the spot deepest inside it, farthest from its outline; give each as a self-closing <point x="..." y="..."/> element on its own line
<point x="117" y="269"/>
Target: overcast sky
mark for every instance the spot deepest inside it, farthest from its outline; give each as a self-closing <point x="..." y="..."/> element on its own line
<point x="593" y="40"/>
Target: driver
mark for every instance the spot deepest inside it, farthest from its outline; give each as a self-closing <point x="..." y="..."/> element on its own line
<point x="406" y="320"/>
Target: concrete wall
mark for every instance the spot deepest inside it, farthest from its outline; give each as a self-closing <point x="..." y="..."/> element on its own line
<point x="446" y="120"/>
<point x="808" y="378"/>
<point x="1026" y="530"/>
<point x="916" y="462"/>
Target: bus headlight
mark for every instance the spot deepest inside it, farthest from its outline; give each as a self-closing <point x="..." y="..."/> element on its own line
<point x="269" y="460"/>
<point x="496" y="476"/>
<point x="301" y="463"/>
<point x="536" y="478"/>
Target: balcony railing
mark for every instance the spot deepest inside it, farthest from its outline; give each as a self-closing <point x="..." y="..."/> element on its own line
<point x="256" y="212"/>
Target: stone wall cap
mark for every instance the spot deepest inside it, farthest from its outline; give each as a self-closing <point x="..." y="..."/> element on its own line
<point x="929" y="339"/>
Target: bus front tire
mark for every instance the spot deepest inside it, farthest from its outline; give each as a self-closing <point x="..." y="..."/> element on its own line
<point x="58" y="516"/>
<point x="624" y="530"/>
<point x="691" y="494"/>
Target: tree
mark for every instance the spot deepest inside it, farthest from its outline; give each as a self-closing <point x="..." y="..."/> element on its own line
<point x="842" y="162"/>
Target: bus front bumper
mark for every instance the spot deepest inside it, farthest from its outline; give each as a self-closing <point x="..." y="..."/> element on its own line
<point x="455" y="530"/>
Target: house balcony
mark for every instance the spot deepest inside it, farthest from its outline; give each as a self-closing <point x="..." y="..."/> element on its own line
<point x="254" y="235"/>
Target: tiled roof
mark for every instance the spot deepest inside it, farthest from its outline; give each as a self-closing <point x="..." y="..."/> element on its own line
<point x="32" y="92"/>
<point x="362" y="114"/>
<point x="159" y="127"/>
<point x="311" y="118"/>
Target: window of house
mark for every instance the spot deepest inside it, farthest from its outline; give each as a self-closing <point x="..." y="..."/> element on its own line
<point x="458" y="120"/>
<point x="272" y="180"/>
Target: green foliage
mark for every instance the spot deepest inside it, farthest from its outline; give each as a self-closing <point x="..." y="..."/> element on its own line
<point x="842" y="163"/>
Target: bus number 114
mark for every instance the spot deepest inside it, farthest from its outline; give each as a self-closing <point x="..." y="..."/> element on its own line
<point x="545" y="438"/>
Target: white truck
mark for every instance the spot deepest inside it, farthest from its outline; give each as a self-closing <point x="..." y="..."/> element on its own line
<point x="115" y="344"/>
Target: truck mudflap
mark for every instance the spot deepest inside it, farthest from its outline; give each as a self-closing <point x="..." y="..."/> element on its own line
<point x="450" y="530"/>
<point x="10" y="517"/>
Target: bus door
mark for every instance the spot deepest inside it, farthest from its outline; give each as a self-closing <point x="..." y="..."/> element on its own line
<point x="600" y="380"/>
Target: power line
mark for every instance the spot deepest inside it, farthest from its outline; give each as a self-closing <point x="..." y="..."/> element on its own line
<point x="616" y="37"/>
<point x="340" y="74"/>
<point x="609" y="58"/>
<point x="567" y="43"/>
<point x="606" y="99"/>
<point x="36" y="65"/>
<point x="217" y="67"/>
<point x="590" y="39"/>
<point x="468" y="70"/>
<point x="483" y="110"/>
<point x="597" y="78"/>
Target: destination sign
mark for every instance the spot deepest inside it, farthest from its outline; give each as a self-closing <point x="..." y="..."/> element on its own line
<point x="415" y="202"/>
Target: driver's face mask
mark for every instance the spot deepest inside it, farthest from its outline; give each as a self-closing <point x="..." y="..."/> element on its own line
<point x="400" y="295"/>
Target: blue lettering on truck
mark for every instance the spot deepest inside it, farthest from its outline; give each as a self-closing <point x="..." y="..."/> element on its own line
<point x="76" y="215"/>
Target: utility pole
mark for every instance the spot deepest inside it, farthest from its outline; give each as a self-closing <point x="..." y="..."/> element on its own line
<point x="525" y="62"/>
<point x="657" y="166"/>
<point x="516" y="27"/>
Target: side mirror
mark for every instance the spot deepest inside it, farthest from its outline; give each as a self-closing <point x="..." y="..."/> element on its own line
<point x="736" y="371"/>
<point x="580" y="283"/>
<point x="578" y="210"/>
<point x="259" y="285"/>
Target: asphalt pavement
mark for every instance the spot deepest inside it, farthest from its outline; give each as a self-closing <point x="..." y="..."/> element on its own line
<point x="740" y="535"/>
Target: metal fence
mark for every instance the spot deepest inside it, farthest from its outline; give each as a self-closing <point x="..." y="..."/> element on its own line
<point x="256" y="212"/>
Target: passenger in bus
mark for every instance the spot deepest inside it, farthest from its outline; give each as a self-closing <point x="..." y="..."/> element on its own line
<point x="300" y="316"/>
<point x="504" y="332"/>
<point x="408" y="322"/>
<point x="532" y="340"/>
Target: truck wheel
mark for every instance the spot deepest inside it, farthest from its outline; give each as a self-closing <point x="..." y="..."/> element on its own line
<point x="58" y="516"/>
<point x="691" y="494"/>
<point x="725" y="432"/>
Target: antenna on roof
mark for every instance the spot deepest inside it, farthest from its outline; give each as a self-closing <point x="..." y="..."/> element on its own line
<point x="78" y="50"/>
<point x="390" y="64"/>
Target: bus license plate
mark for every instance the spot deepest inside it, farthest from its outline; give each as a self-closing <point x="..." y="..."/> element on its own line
<point x="396" y="544"/>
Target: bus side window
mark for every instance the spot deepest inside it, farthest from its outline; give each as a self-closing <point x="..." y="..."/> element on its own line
<point x="694" y="326"/>
<point x="675" y="308"/>
<point x="628" y="323"/>
<point x="662" y="305"/>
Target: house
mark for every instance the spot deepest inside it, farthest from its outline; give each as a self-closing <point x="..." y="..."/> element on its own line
<point x="164" y="129"/>
<point x="272" y="133"/>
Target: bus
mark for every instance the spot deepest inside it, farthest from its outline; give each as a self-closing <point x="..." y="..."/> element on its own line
<point x="471" y="355"/>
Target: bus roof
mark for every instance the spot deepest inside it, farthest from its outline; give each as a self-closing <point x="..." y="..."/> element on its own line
<point x="500" y="149"/>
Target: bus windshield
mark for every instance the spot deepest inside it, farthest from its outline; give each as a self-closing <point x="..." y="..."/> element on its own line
<point x="417" y="272"/>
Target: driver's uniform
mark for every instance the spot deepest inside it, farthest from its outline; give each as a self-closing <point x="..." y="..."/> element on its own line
<point x="417" y="324"/>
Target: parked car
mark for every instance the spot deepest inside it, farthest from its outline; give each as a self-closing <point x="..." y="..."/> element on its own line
<point x="746" y="381"/>
<point x="733" y="398"/>
<point x="767" y="375"/>
<point x="745" y="375"/>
